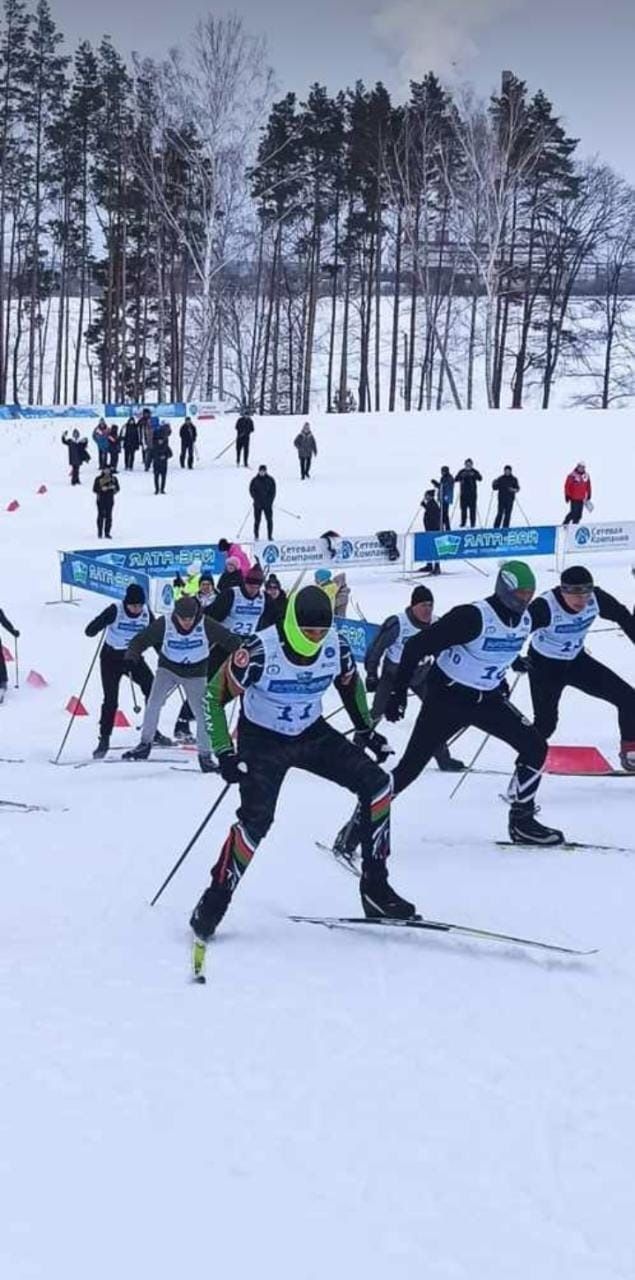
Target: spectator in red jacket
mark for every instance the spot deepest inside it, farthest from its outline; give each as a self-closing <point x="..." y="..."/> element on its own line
<point x="577" y="492"/>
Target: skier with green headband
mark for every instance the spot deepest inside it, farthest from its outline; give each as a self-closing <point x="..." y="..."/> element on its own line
<point x="282" y="674"/>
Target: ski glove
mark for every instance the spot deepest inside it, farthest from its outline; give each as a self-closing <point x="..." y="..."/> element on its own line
<point x="374" y="742"/>
<point x="396" y="708"/>
<point x="231" y="767"/>
<point x="372" y="683"/>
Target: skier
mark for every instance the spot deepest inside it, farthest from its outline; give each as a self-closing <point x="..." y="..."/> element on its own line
<point x="557" y="659"/>
<point x="244" y="429"/>
<point x="468" y="478"/>
<point x="282" y="674"/>
<point x="131" y="442"/>
<point x="105" y="486"/>
<point x="188" y="434"/>
<point x="121" y="622"/>
<point x="307" y="450"/>
<point x="8" y="626"/>
<point x="506" y="487"/>
<point x="473" y="646"/>
<point x="77" y="453"/>
<point x="577" y="492"/>
<point x="389" y="644"/>
<point x="445" y="495"/>
<point x="183" y="641"/>
<point x="432" y="524"/>
<point x="160" y="453"/>
<point x="263" y="492"/>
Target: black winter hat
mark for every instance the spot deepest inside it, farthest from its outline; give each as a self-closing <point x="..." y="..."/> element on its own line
<point x="134" y="594"/>
<point x="422" y="595"/>
<point x="206" y="575"/>
<point x="313" y="608"/>
<point x="186" y="607"/>
<point x="576" y="576"/>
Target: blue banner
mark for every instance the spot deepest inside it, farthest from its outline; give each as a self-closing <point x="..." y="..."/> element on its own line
<point x="9" y="411"/>
<point x="479" y="544"/>
<point x="159" y="562"/>
<point x="359" y="635"/>
<point x="58" y="411"/>
<point x="85" y="571"/>
<point x="174" y="410"/>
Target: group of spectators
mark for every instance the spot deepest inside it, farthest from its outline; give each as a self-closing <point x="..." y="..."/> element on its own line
<point x="439" y="502"/>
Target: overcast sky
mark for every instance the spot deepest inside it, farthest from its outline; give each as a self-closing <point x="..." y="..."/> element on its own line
<point x="581" y="52"/>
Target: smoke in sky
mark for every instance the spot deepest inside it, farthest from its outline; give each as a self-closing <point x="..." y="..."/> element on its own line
<point x="436" y="35"/>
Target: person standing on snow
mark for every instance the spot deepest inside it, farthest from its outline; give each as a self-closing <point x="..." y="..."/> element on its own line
<point x="445" y="495"/>
<point x="468" y="479"/>
<point x="234" y="551"/>
<point x="161" y="454"/>
<point x="121" y="622"/>
<point x="307" y="450"/>
<point x="577" y="492"/>
<point x="13" y="631"/>
<point x="188" y="435"/>
<point x="131" y="442"/>
<point x="263" y="493"/>
<point x="100" y="436"/>
<point x="77" y="453"/>
<point x="506" y="487"/>
<point x="244" y="430"/>
<point x="105" y="487"/>
<point x="432" y="524"/>
<point x="114" y="447"/>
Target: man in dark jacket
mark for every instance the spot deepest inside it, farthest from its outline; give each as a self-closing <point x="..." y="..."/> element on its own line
<point x="114" y="447"/>
<point x="307" y="450"/>
<point x="131" y="442"/>
<point x="506" y="486"/>
<point x="467" y="478"/>
<point x="105" y="487"/>
<point x="244" y="428"/>
<point x="77" y="453"/>
<point x="263" y="492"/>
<point x="161" y="452"/>
<point x="188" y="439"/>
<point x="431" y="524"/>
<point x="445" y="494"/>
<point x="121" y="622"/>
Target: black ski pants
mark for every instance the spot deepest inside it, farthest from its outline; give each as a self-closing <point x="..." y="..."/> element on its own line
<point x="449" y="707"/>
<point x="160" y="470"/>
<point x="242" y="451"/>
<point x="320" y="750"/>
<point x="104" y="515"/>
<point x="259" y="512"/>
<point x="548" y="679"/>
<point x="187" y="454"/>
<point x="445" y="515"/>
<point x="504" y="513"/>
<point x="418" y="684"/>
<point x="113" y="667"/>
<point x="574" y="515"/>
<point x="75" y="473"/>
<point x="305" y="467"/>
<point x="128" y="456"/>
<point x="468" y="510"/>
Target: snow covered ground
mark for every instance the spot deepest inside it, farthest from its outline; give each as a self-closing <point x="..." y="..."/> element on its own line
<point x="330" y="1104"/>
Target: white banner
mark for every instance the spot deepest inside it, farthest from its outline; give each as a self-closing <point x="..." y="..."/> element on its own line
<point x="613" y="536"/>
<point x="363" y="551"/>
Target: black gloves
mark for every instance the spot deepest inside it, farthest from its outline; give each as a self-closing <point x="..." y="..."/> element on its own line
<point x="231" y="767"/>
<point x="396" y="708"/>
<point x="372" y="683"/>
<point x="374" y="742"/>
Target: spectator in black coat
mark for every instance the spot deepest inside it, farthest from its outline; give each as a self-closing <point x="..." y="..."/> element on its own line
<point x="131" y="442"/>
<point x="114" y="447"/>
<point x="467" y="478"/>
<point x="307" y="450"/>
<point x="263" y="492"/>
<point x="445" y="487"/>
<point x="506" y="486"/>
<point x="105" y="487"/>
<point x="161" y="453"/>
<point x="244" y="429"/>
<point x="276" y="603"/>
<point x="188" y="439"/>
<point x="77" y="453"/>
<point x="431" y="524"/>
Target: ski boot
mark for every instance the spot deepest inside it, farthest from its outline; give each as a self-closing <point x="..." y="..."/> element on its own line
<point x="160" y="740"/>
<point x="627" y="756"/>
<point x="379" y="898"/>
<point x="348" y="838"/>
<point x="209" y="911"/>
<point x="140" y="752"/>
<point x="207" y="762"/>
<point x="101" y="749"/>
<point x="523" y="828"/>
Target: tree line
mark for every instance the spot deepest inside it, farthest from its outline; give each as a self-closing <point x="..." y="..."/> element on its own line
<point x="174" y="229"/>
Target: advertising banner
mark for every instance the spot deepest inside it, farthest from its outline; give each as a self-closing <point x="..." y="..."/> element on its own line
<point x="612" y="536"/>
<point x="478" y="544"/>
<point x="161" y="562"/>
<point x="173" y="410"/>
<point x="90" y="574"/>
<point x="202" y="410"/>
<point x="361" y="551"/>
<point x="58" y="411"/>
<point x="8" y="411"/>
<point x="359" y="635"/>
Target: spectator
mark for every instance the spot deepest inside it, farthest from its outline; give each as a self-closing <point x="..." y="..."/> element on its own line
<point x="231" y="576"/>
<point x="307" y="450"/>
<point x="100" y="436"/>
<point x="431" y="524"/>
<point x="77" y="453"/>
<point x="336" y="588"/>
<point x="105" y="487"/>
<point x="445" y="487"/>
<point x="234" y="551"/>
<point x="244" y="428"/>
<point x="577" y="492"/>
<point x="131" y="442"/>
<point x="161" y="453"/>
<point x="146" y="436"/>
<point x="275" y="603"/>
<point x="263" y="493"/>
<point x="506" y="486"/>
<point x="188" y="439"/>
<point x="467" y="478"/>
<point x="114" y="447"/>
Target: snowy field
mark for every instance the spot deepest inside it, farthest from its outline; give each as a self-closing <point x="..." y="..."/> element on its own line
<point x="331" y="1104"/>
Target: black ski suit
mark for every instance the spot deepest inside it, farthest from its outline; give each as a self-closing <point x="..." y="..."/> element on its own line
<point x="506" y="487"/>
<point x="263" y="492"/>
<point x="244" y="429"/>
<point x="188" y="434"/>
<point x="105" y="488"/>
<point x="114" y="665"/>
<point x="467" y="478"/>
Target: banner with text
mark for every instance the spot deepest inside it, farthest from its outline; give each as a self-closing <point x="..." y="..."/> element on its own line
<point x="88" y="573"/>
<point x="478" y="544"/>
<point x="57" y="411"/>
<point x="359" y="635"/>
<point x="613" y="536"/>
<point x="176" y="409"/>
<point x="363" y="551"/>
<point x="160" y="562"/>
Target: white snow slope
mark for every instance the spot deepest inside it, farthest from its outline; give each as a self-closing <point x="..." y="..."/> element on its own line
<point x="330" y="1104"/>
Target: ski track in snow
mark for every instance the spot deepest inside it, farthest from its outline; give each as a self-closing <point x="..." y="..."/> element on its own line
<point x="329" y="1104"/>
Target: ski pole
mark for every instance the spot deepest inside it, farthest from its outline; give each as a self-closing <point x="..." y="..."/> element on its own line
<point x="243" y="523"/>
<point x="192" y="842"/>
<point x="78" y="700"/>
<point x="478" y="750"/>
<point x="523" y="513"/>
<point x="489" y="507"/>
<point x="289" y="513"/>
<point x="135" y="705"/>
<point x="477" y="567"/>
<point x="417" y="510"/>
<point x="219" y="455"/>
<point x="17" y="665"/>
